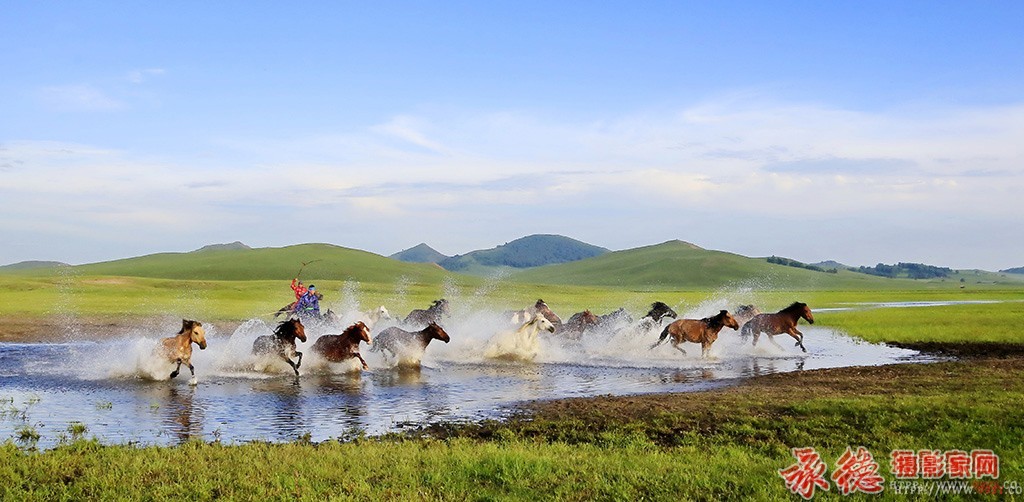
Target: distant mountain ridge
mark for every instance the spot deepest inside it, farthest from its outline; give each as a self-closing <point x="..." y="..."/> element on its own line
<point x="420" y="253"/>
<point x="525" y="252"/>
<point x="1015" y="270"/>
<point x="33" y="264"/>
<point x="234" y="246"/>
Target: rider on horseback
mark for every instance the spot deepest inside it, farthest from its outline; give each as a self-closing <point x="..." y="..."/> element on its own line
<point x="309" y="303"/>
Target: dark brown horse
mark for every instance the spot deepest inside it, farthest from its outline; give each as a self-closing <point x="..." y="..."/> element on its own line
<point x="178" y="349"/>
<point x="783" y="321"/>
<point x="282" y="342"/>
<point x="703" y="331"/>
<point x="434" y="313"/>
<point x="337" y="348"/>
<point x="579" y="323"/>
<point x="395" y="340"/>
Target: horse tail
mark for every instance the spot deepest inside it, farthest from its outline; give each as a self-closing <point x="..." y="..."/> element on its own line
<point x="664" y="335"/>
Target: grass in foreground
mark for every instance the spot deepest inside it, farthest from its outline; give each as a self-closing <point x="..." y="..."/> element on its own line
<point x="722" y="444"/>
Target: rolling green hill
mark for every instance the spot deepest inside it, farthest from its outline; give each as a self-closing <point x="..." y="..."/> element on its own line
<point x="334" y="263"/>
<point x="678" y="264"/>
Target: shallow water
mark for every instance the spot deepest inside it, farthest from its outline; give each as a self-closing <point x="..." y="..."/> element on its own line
<point x="122" y="394"/>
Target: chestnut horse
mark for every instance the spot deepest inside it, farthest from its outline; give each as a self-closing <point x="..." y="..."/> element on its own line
<point x="282" y="342"/>
<point x="337" y="348"/>
<point x="783" y="321"/>
<point x="542" y="308"/>
<point x="579" y="323"/>
<point x="178" y="349"/>
<point x="437" y="309"/>
<point x="397" y="340"/>
<point x="703" y="331"/>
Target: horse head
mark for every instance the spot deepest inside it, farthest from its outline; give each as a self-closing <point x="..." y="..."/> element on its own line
<point x="660" y="310"/>
<point x="381" y="313"/>
<point x="437" y="332"/>
<point x="541" y="322"/>
<point x="291" y="328"/>
<point x="440" y="306"/>
<point x="359" y="331"/>
<point x="196" y="332"/>
<point x="728" y="320"/>
<point x="805" y="312"/>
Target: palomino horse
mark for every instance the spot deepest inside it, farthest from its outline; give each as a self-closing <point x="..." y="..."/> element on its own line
<point x="703" y="331"/>
<point x="178" y="349"/>
<point x="437" y="309"/>
<point x="337" y="348"/>
<point x="783" y="321"/>
<point x="282" y="342"/>
<point x="520" y="344"/>
<point x="409" y="344"/>
<point x="579" y="323"/>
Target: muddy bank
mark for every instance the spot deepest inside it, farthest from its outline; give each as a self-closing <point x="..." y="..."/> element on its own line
<point x="666" y="417"/>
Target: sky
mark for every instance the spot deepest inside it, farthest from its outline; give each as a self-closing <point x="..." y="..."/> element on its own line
<point x="859" y="131"/>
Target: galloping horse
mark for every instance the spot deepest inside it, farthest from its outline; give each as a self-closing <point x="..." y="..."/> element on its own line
<point x="618" y="316"/>
<point x="337" y="348"/>
<point x="376" y="315"/>
<point x="397" y="340"/>
<point x="178" y="349"/>
<point x="703" y="331"/>
<point x="542" y="308"/>
<point x="437" y="309"/>
<point x="578" y="323"/>
<point x="282" y="342"/>
<point x="783" y="321"/>
<point x="745" y="313"/>
<point x="659" y="311"/>
<point x="520" y="344"/>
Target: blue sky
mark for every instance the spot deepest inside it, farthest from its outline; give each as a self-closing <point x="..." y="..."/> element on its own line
<point x="863" y="132"/>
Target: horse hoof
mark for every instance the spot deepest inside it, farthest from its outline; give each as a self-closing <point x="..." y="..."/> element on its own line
<point x="193" y="381"/>
<point x="174" y="374"/>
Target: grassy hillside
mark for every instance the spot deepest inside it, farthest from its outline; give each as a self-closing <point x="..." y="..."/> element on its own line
<point x="678" y="264"/>
<point x="420" y="253"/>
<point x="333" y="263"/>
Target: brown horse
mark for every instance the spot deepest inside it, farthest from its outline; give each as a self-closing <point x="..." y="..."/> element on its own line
<point x="437" y="309"/>
<point x="783" y="321"/>
<point x="337" y="348"/>
<point x="579" y="323"/>
<point x="703" y="331"/>
<point x="397" y="340"/>
<point x="178" y="349"/>
<point x="282" y="342"/>
<point x="542" y="308"/>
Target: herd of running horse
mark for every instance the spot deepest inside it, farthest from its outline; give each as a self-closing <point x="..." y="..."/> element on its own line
<point x="521" y="343"/>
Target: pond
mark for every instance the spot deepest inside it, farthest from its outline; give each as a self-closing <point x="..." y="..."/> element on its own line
<point x="120" y="393"/>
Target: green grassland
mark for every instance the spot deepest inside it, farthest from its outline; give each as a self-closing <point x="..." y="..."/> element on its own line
<point x="720" y="444"/>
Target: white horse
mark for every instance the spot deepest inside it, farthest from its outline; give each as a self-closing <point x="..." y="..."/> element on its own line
<point x="521" y="344"/>
<point x="376" y="315"/>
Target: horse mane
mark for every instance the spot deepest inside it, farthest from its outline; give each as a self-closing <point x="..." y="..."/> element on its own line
<point x="716" y="320"/>
<point x="796" y="307"/>
<point x="188" y="324"/>
<point x="349" y="331"/>
<point x="279" y="331"/>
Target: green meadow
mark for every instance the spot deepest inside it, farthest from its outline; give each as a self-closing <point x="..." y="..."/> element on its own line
<point x="726" y="443"/>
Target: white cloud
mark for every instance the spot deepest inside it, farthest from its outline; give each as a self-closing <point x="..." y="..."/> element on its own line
<point x="141" y="76"/>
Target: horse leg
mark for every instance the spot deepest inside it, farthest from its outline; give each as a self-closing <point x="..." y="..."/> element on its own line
<point x="298" y="362"/>
<point x="295" y="367"/>
<point x="795" y="333"/>
<point x="771" y="338"/>
<point x="680" y="349"/>
<point x="175" y="372"/>
<point x="365" y="367"/>
<point x="705" y="348"/>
